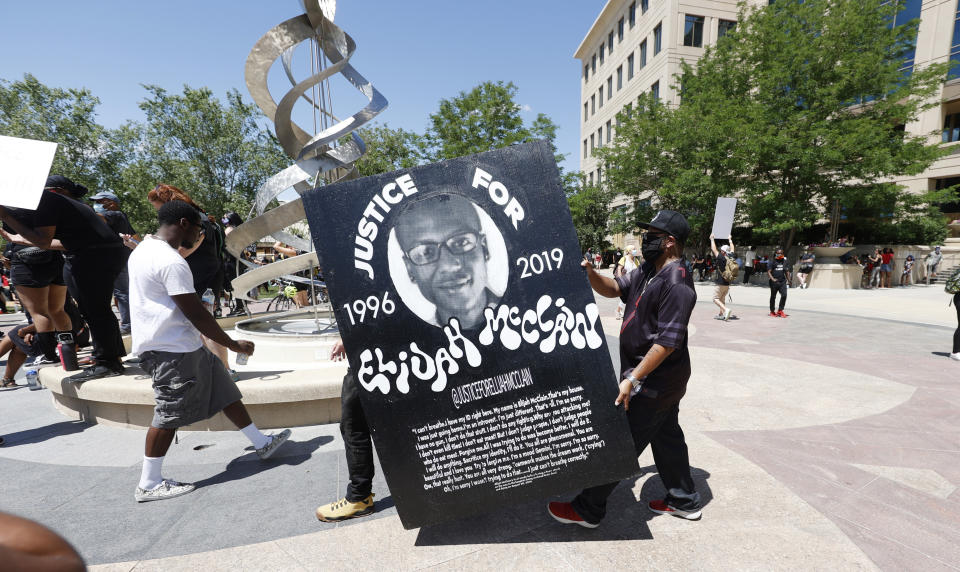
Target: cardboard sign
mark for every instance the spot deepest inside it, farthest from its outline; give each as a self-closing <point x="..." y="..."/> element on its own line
<point x="472" y="329"/>
<point x="24" y="166"/>
<point x="723" y="217"/>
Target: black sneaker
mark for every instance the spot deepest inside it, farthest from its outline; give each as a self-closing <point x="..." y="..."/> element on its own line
<point x="96" y="371"/>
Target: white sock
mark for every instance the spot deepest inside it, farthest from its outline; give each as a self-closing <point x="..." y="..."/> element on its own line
<point x="150" y="474"/>
<point x="256" y="437"/>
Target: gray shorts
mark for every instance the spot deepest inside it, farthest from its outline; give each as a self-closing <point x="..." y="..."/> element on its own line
<point x="188" y="387"/>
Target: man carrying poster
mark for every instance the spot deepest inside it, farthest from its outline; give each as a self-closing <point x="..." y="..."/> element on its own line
<point x="655" y="365"/>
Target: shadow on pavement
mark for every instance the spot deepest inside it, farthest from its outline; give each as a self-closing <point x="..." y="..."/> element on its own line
<point x="626" y="518"/>
<point x="941" y="354"/>
<point x="293" y="453"/>
<point x="41" y="434"/>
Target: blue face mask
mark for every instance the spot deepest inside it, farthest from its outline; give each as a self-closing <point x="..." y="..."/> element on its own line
<point x="99" y="208"/>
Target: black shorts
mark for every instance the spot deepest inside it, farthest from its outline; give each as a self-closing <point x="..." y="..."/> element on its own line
<point x="37" y="275"/>
<point x="805" y="269"/>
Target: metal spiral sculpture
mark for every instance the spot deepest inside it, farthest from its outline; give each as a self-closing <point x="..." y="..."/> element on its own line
<point x="321" y="156"/>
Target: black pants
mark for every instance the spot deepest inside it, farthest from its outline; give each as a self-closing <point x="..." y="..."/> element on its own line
<point x="661" y="429"/>
<point x="94" y="273"/>
<point x="357" y="445"/>
<point x="956" y="334"/>
<point x="747" y="273"/>
<point x="780" y="287"/>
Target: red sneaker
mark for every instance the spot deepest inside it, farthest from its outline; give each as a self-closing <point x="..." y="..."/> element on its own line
<point x="774" y="315"/>
<point x="661" y="507"/>
<point x="781" y="314"/>
<point x="563" y="512"/>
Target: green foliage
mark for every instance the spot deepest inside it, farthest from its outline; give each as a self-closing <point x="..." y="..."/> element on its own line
<point x="803" y="104"/>
<point x="389" y="150"/>
<point x="590" y="210"/>
<point x="32" y="110"/>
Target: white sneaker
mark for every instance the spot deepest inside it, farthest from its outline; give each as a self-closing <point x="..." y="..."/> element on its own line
<point x="167" y="489"/>
<point x="955" y="357"/>
<point x="274" y="444"/>
<point x="726" y="315"/>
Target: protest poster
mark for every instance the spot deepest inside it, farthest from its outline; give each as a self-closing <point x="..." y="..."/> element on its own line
<point x="24" y="166"/>
<point x="723" y="217"/>
<point x="473" y="332"/>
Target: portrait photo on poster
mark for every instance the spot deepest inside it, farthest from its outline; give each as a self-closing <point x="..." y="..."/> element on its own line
<point x="447" y="259"/>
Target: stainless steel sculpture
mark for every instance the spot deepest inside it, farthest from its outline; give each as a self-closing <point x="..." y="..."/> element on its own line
<point x="326" y="156"/>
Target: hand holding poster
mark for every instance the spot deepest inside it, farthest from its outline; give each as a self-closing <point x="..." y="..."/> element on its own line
<point x="473" y="333"/>
<point x="723" y="217"/>
<point x="24" y="166"/>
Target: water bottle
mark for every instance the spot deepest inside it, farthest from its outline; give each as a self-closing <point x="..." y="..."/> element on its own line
<point x="242" y="359"/>
<point x="33" y="381"/>
<point x="208" y="299"/>
<point x="67" y="349"/>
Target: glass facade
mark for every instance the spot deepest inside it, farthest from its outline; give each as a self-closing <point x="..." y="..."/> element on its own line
<point x="955" y="45"/>
<point x="693" y="31"/>
<point x="951" y="128"/>
<point x="911" y="11"/>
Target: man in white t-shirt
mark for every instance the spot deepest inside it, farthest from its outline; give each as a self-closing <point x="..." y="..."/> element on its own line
<point x="190" y="384"/>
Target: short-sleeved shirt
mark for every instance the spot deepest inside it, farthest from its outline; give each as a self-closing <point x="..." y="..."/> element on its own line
<point x="120" y="224"/>
<point x="806" y="259"/>
<point x="659" y="305"/>
<point x="779" y="267"/>
<point x="721" y="265"/>
<point x="78" y="227"/>
<point x="205" y="261"/>
<point x="158" y="272"/>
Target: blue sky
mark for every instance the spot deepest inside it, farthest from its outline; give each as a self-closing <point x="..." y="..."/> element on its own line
<point x="415" y="52"/>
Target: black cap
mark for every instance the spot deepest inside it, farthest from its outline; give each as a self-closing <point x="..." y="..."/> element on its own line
<point x="670" y="222"/>
<point x="60" y="182"/>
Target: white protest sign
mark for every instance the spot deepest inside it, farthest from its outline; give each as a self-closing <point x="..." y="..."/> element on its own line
<point x="723" y="217"/>
<point x="24" y="166"/>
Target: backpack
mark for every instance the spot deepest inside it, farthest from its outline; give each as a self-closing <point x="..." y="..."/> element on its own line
<point x="731" y="270"/>
<point x="953" y="283"/>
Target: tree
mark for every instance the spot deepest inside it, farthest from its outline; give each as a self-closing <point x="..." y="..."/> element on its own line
<point x="32" y="110"/>
<point x="590" y="210"/>
<point x="219" y="154"/>
<point x="389" y="150"/>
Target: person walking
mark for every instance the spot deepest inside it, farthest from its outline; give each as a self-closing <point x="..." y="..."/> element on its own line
<point x="779" y="273"/>
<point x="723" y="285"/>
<point x="933" y="260"/>
<point x="627" y="265"/>
<point x="886" y="267"/>
<point x="190" y="383"/>
<point x="655" y="369"/>
<point x="875" y="260"/>
<point x="806" y="267"/>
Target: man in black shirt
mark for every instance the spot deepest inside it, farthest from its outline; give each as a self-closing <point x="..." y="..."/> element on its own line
<point x="95" y="255"/>
<point x="655" y="368"/>
<point x="779" y="271"/>
<point x="107" y="205"/>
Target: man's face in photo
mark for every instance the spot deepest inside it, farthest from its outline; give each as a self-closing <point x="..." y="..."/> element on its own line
<point x="445" y="254"/>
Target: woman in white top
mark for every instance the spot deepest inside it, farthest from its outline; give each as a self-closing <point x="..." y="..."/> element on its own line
<point x="625" y="266"/>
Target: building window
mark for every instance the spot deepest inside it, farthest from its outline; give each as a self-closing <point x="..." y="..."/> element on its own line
<point x="620" y="31"/>
<point x="610" y="42"/>
<point x="643" y="54"/>
<point x="592" y="147"/>
<point x="586" y="109"/>
<point x="951" y="128"/>
<point x="657" y="39"/>
<point x="955" y="47"/>
<point x="911" y="11"/>
<point x="632" y="14"/>
<point x="593" y="64"/>
<point x="655" y="90"/>
<point x="586" y="73"/>
<point x="593" y="104"/>
<point x="725" y="27"/>
<point x="609" y="87"/>
<point x="601" y="54"/>
<point x="600" y="91"/>
<point x="693" y="31"/>
<point x="584" y="148"/>
<point x="600" y="137"/>
<point x="644" y="5"/>
<point x="620" y="78"/>
<point x="629" y="67"/>
<point x="609" y="131"/>
<point x="591" y="177"/>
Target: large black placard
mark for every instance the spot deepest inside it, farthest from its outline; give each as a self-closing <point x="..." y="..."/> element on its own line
<point x="473" y="332"/>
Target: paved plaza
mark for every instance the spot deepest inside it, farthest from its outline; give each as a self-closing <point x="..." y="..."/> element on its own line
<point x="829" y="440"/>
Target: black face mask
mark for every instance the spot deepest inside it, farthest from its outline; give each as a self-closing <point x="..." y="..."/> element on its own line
<point x="651" y="249"/>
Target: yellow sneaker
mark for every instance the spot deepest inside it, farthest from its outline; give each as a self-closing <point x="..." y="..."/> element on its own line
<point x="344" y="509"/>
